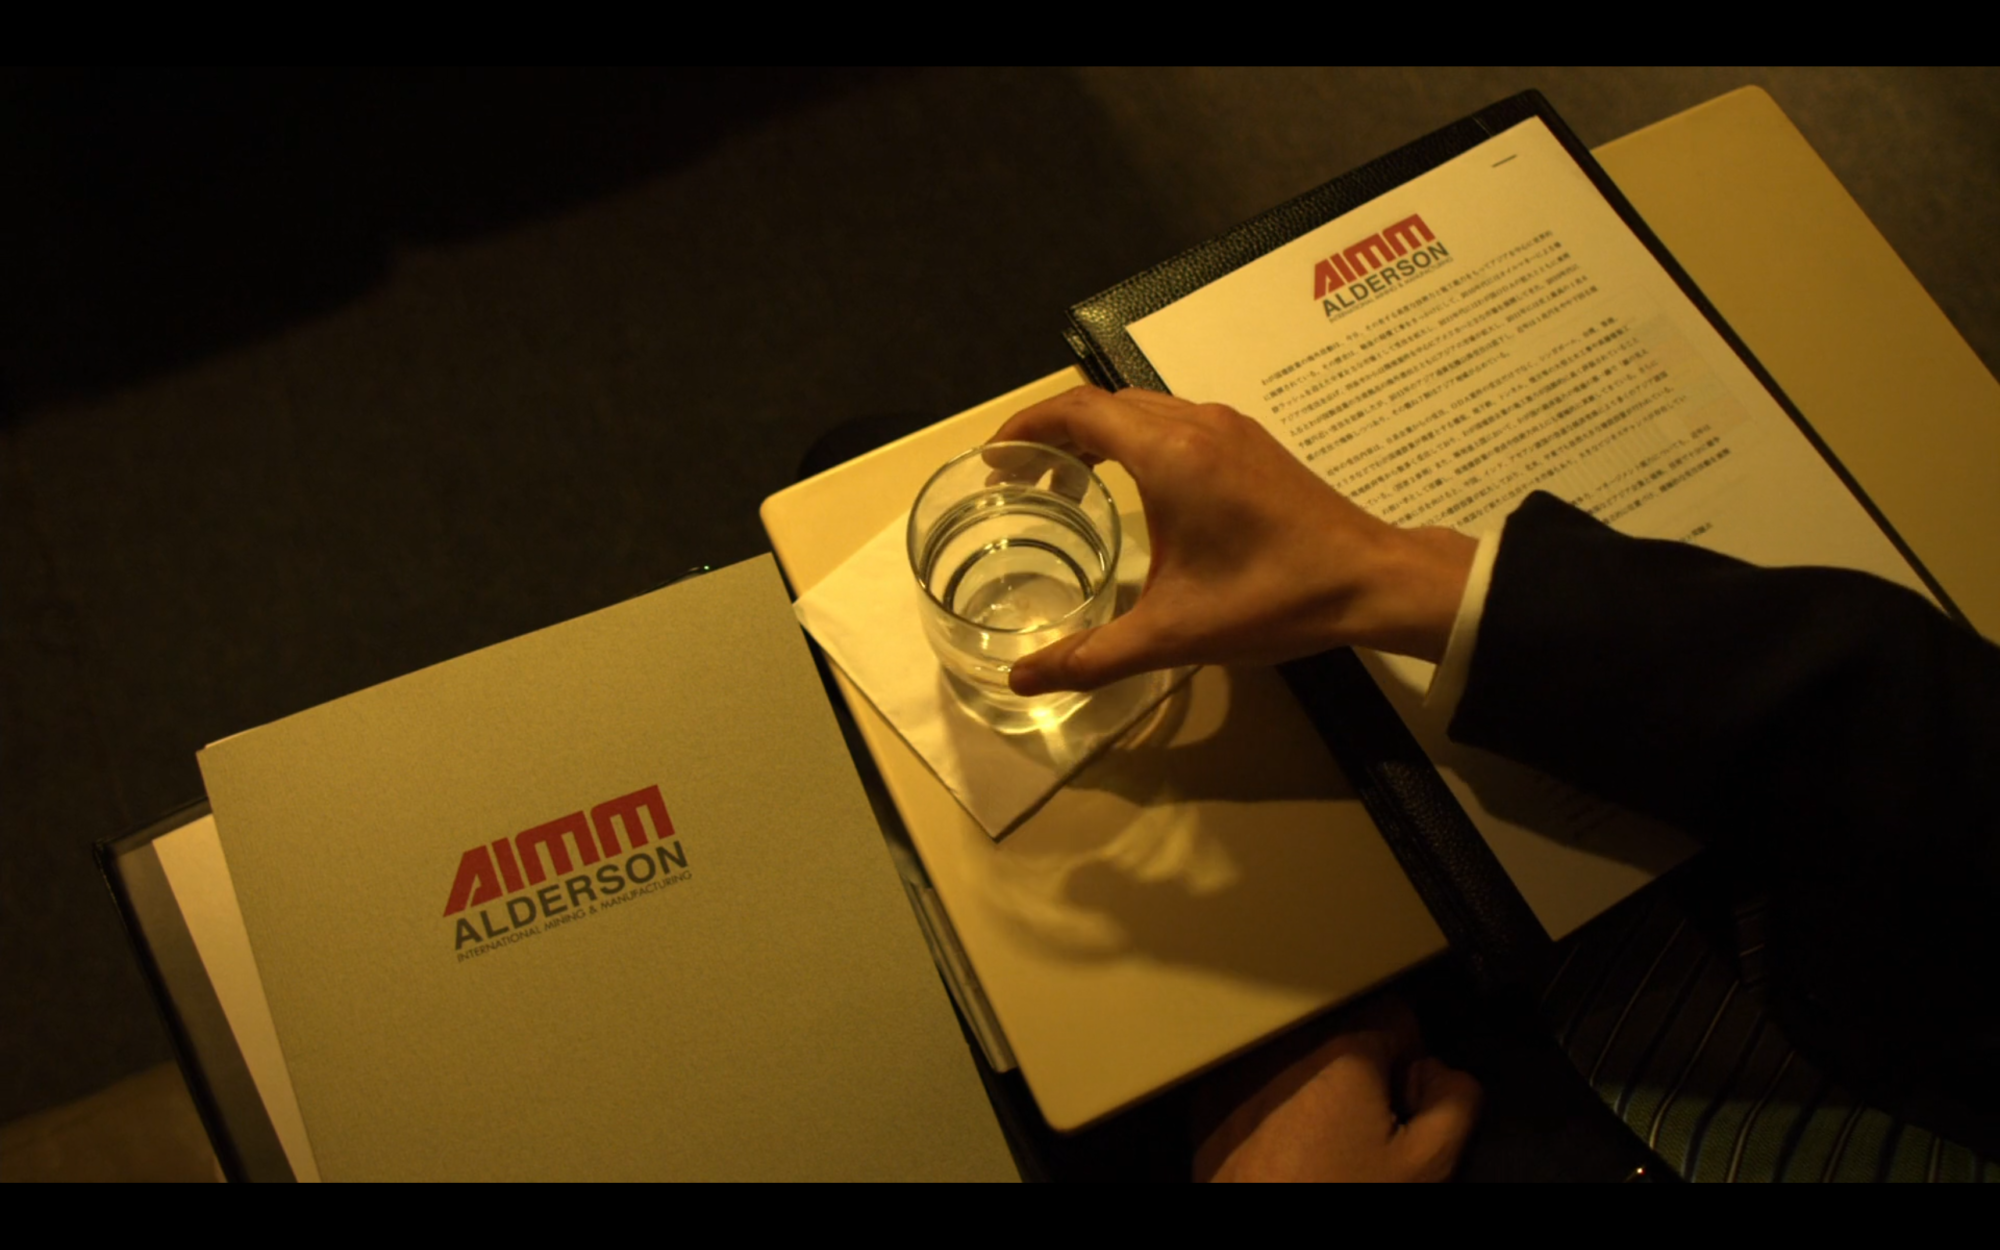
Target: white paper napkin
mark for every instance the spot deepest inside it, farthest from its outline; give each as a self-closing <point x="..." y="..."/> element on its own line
<point x="864" y="614"/>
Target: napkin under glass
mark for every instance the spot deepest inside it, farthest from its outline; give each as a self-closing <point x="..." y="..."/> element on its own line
<point x="864" y="615"/>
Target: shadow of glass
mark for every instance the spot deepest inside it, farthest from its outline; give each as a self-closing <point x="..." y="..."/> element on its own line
<point x="1229" y="761"/>
<point x="1219" y="834"/>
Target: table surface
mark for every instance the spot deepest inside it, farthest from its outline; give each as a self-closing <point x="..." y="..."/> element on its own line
<point x="1214" y="880"/>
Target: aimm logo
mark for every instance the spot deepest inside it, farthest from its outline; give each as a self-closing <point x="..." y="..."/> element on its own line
<point x="1376" y="264"/>
<point x="566" y="849"/>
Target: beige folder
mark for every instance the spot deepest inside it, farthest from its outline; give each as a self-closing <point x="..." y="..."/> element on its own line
<point x="602" y="902"/>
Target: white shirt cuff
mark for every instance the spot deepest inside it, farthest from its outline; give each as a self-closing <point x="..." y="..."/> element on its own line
<point x="1448" y="682"/>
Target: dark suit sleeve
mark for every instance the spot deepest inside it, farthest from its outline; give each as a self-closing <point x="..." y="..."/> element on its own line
<point x="1836" y="735"/>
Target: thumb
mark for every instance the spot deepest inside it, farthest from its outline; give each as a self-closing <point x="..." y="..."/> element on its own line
<point x="1444" y="1105"/>
<point x="1093" y="658"/>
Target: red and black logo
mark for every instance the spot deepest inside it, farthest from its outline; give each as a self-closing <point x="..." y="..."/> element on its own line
<point x="1376" y="263"/>
<point x="518" y="870"/>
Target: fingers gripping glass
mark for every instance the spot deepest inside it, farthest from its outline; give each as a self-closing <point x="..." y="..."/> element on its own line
<point x="1015" y="547"/>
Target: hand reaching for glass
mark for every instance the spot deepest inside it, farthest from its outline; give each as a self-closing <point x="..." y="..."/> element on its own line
<point x="1255" y="559"/>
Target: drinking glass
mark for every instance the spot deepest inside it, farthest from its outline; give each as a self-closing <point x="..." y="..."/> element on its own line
<point x="1014" y="547"/>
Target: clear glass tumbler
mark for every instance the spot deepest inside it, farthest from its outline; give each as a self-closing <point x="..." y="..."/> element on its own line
<point x="1014" y="547"/>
